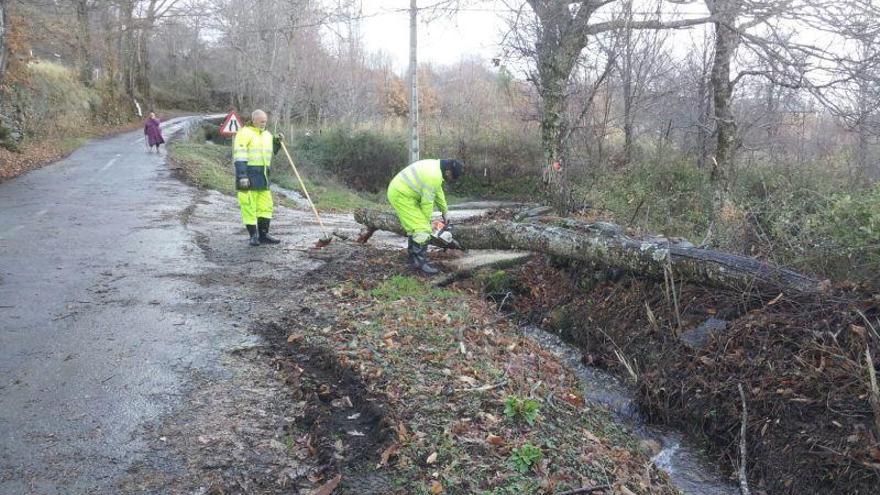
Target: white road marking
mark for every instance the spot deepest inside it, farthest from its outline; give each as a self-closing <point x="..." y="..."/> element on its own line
<point x="41" y="213"/>
<point x="112" y="160"/>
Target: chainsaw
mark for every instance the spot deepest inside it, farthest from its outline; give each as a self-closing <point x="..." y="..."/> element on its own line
<point x="443" y="235"/>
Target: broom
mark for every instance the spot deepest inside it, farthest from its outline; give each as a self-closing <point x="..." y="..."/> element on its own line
<point x="326" y="238"/>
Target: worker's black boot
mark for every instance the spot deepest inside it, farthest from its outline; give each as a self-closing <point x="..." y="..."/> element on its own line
<point x="412" y="253"/>
<point x="421" y="262"/>
<point x="263" y="227"/>
<point x="255" y="237"/>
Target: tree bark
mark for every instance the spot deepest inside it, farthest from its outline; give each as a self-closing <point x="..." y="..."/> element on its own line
<point x="562" y="38"/>
<point x="2" y="38"/>
<point x="127" y="47"/>
<point x="605" y="245"/>
<point x="83" y="42"/>
<point x="626" y="75"/>
<point x="726" y="41"/>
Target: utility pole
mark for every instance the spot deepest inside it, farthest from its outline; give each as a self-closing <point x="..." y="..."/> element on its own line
<point x="414" y="84"/>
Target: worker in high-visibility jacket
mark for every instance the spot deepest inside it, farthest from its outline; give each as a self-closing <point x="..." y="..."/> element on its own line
<point x="252" y="153"/>
<point x="414" y="193"/>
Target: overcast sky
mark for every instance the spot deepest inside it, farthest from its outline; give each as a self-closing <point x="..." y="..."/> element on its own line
<point x="475" y="31"/>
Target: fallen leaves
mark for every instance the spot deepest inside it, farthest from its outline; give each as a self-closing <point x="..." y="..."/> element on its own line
<point x="574" y="400"/>
<point x="327" y="488"/>
<point x="386" y="455"/>
<point x="467" y="379"/>
<point x="494" y="440"/>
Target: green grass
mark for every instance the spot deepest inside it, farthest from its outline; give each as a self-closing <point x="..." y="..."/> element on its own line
<point x="403" y="287"/>
<point x="206" y="165"/>
<point x="69" y="143"/>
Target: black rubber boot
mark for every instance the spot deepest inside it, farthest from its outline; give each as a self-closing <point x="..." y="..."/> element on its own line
<point x="411" y="252"/>
<point x="421" y="260"/>
<point x="263" y="227"/>
<point x="255" y="238"/>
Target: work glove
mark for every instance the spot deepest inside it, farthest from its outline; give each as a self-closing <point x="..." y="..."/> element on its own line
<point x="279" y="136"/>
<point x="242" y="182"/>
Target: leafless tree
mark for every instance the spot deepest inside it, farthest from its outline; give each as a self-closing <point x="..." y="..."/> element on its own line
<point x="641" y="62"/>
<point x="552" y="35"/>
<point x="2" y="38"/>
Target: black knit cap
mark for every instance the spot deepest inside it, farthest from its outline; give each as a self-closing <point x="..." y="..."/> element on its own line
<point x="455" y="165"/>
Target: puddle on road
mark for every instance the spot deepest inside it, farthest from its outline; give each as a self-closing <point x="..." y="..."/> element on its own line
<point x="687" y="467"/>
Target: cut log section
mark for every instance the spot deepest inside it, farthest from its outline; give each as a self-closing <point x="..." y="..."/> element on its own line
<point x="606" y="245"/>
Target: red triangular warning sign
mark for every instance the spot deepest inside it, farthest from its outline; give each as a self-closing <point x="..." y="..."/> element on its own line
<point x="231" y="124"/>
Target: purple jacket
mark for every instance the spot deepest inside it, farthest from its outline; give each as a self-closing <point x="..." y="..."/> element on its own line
<point x="153" y="132"/>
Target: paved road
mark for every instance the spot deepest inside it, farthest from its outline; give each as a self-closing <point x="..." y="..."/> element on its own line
<point x="95" y="339"/>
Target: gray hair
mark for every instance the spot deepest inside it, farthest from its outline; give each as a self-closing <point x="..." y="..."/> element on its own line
<point x="257" y="113"/>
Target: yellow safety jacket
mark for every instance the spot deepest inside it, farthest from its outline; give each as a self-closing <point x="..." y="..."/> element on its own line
<point x="423" y="182"/>
<point x="252" y="154"/>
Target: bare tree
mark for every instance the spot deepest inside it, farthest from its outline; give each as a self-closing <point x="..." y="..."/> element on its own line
<point x="83" y="40"/>
<point x="553" y="36"/>
<point x="640" y="63"/>
<point x="2" y="38"/>
<point x="856" y="97"/>
<point x="767" y="34"/>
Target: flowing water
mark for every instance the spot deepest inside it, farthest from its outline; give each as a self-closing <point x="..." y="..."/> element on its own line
<point x="688" y="468"/>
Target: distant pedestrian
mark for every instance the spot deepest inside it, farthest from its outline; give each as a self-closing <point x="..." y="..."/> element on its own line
<point x="153" y="132"/>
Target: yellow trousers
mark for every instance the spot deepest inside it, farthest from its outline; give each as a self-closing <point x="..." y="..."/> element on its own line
<point x="411" y="216"/>
<point x="255" y="204"/>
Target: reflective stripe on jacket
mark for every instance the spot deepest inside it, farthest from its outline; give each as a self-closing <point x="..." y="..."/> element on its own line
<point x="422" y="181"/>
<point x="252" y="154"/>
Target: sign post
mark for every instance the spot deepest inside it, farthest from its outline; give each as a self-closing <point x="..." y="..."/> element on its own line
<point x="231" y="124"/>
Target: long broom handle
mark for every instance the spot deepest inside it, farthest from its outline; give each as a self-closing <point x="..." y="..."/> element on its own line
<point x="303" y="185"/>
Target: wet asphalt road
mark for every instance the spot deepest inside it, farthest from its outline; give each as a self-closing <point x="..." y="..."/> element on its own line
<point x="95" y="338"/>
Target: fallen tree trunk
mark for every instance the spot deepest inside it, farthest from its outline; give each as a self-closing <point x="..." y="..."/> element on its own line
<point x="605" y="245"/>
